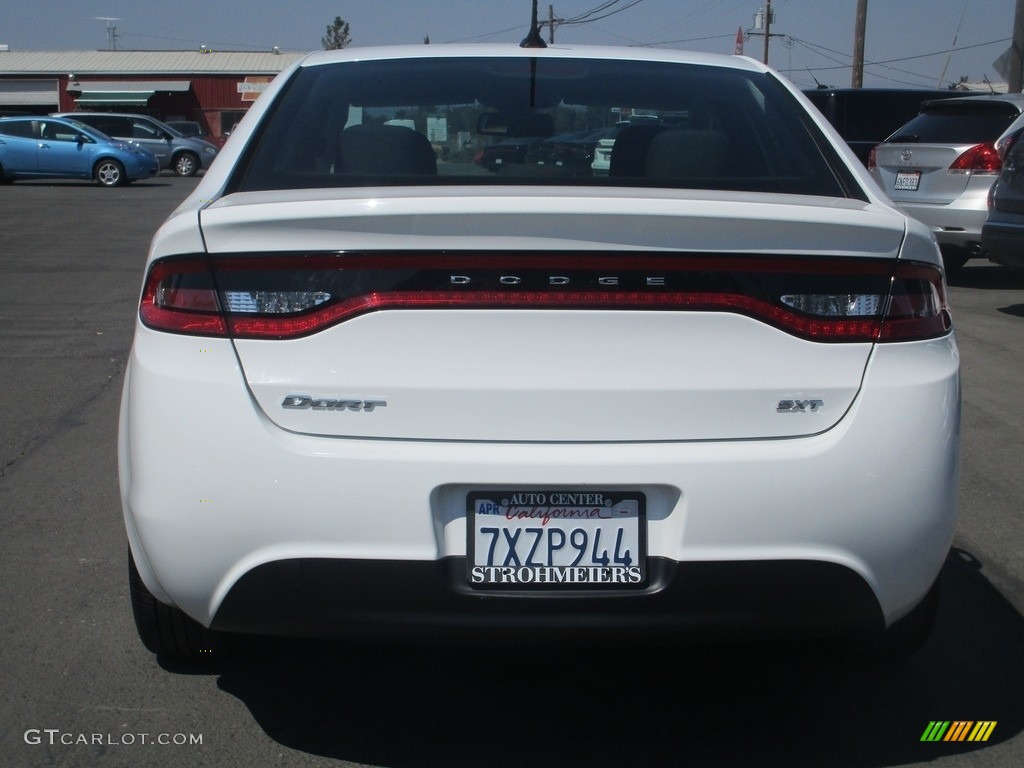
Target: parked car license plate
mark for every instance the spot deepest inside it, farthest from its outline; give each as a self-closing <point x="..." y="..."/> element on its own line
<point x="568" y="539"/>
<point x="908" y="181"/>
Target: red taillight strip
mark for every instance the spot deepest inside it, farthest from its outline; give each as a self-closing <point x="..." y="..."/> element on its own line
<point x="819" y="329"/>
<point x="181" y="295"/>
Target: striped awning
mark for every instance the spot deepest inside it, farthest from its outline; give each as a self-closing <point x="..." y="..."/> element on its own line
<point x="129" y="93"/>
<point x="128" y="98"/>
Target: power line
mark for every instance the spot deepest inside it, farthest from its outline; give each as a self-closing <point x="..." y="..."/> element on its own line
<point x="592" y="11"/>
<point x="841" y="64"/>
<point x="589" y="16"/>
<point x="486" y="35"/>
<point x="908" y="58"/>
<point x="683" y="41"/>
<point x="598" y="13"/>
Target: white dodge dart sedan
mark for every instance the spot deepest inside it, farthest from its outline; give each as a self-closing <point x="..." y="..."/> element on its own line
<point x="377" y="388"/>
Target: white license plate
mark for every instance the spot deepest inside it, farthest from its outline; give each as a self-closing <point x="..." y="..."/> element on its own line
<point x="568" y="539"/>
<point x="908" y="181"/>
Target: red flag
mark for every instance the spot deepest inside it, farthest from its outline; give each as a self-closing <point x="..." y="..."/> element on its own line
<point x="739" y="41"/>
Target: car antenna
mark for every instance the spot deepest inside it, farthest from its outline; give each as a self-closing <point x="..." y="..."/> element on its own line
<point x="817" y="84"/>
<point x="533" y="38"/>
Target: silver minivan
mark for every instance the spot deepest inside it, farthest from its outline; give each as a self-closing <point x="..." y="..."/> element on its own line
<point x="182" y="154"/>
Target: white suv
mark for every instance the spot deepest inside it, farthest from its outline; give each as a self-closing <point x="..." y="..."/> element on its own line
<point x="376" y="387"/>
<point x="940" y="167"/>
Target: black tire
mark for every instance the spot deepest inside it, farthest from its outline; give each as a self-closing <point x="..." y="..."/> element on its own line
<point x="109" y="173"/>
<point x="186" y="164"/>
<point x="166" y="630"/>
<point x="3" y="177"/>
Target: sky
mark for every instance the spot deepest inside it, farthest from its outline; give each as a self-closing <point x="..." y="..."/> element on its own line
<point x="908" y="43"/>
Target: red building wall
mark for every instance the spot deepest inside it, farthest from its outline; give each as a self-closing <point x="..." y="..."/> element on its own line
<point x="217" y="102"/>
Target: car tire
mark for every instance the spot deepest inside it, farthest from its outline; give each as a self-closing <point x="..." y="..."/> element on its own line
<point x="186" y="164"/>
<point x="166" y="630"/>
<point x="3" y="177"/>
<point x="109" y="173"/>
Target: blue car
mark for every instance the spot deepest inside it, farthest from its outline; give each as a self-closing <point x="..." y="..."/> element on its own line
<point x="52" y="147"/>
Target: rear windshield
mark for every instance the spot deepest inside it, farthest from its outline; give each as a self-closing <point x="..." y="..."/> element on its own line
<point x="520" y="120"/>
<point x="948" y="123"/>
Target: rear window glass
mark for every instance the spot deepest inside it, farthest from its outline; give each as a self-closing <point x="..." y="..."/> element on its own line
<point x="521" y="120"/>
<point x="957" y="124"/>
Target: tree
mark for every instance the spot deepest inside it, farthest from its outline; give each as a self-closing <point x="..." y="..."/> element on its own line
<point x="337" y="35"/>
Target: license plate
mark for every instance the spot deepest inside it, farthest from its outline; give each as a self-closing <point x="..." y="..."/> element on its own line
<point x="562" y="539"/>
<point x="908" y="181"/>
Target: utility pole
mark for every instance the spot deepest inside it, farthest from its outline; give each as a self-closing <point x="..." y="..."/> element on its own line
<point x="1014" y="79"/>
<point x="551" y="23"/>
<point x="762" y="20"/>
<point x="111" y="31"/>
<point x="858" y="42"/>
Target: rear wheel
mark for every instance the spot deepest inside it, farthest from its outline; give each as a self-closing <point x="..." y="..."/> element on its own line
<point x="186" y="164"/>
<point x="110" y="173"/>
<point x="166" y="630"/>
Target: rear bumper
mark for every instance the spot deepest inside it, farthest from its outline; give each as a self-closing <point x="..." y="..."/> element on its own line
<point x="1004" y="244"/>
<point x="346" y="598"/>
<point x="142" y="169"/>
<point x="221" y="505"/>
<point x="957" y="224"/>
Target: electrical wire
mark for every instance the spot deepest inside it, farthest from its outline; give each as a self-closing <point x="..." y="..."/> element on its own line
<point x="590" y="16"/>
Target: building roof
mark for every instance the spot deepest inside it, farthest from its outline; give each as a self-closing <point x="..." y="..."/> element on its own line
<point x="93" y="63"/>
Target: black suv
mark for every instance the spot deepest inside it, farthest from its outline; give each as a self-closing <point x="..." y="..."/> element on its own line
<point x="864" y="117"/>
<point x="1002" y="235"/>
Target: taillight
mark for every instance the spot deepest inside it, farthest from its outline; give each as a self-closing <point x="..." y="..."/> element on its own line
<point x="288" y="296"/>
<point x="917" y="306"/>
<point x="873" y="158"/>
<point x="981" y="158"/>
<point x="179" y="296"/>
<point x="1005" y="143"/>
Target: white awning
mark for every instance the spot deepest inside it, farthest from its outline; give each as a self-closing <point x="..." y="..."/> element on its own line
<point x="29" y="93"/>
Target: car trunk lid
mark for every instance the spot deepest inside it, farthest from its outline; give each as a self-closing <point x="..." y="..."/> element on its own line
<point x="495" y="317"/>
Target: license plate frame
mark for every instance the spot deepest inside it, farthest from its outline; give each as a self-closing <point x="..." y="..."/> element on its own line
<point x="563" y="539"/>
<point x="907" y="181"/>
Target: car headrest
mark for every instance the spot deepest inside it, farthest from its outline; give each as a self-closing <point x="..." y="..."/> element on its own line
<point x="390" y="150"/>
